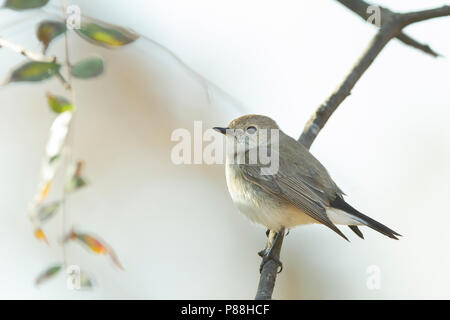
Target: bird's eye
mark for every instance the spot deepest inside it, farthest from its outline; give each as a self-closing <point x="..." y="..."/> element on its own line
<point x="251" y="130"/>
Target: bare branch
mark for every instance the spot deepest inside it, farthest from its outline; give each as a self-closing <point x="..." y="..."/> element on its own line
<point x="391" y="27"/>
<point x="415" y="44"/>
<point x="418" y="16"/>
<point x="321" y="116"/>
<point x="360" y="8"/>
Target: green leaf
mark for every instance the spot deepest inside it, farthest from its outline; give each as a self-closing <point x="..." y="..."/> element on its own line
<point x="86" y="282"/>
<point x="75" y="179"/>
<point x="88" y="68"/>
<point x="59" y="104"/>
<point x="25" y="4"/>
<point x="54" y="159"/>
<point x="75" y="184"/>
<point x="48" y="274"/>
<point x="106" y="35"/>
<point x="48" y="211"/>
<point x="48" y="30"/>
<point x="34" y="71"/>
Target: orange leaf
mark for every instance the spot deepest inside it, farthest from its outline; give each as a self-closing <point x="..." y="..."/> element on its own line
<point x="40" y="235"/>
<point x="89" y="241"/>
<point x="95" y="245"/>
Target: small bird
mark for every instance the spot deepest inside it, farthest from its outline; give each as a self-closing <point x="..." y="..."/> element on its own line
<point x="300" y="192"/>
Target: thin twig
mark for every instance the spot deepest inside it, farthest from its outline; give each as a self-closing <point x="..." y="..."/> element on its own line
<point x="391" y="27"/>
<point x="416" y="44"/>
<point x="4" y="43"/>
<point x="418" y="16"/>
<point x="67" y="148"/>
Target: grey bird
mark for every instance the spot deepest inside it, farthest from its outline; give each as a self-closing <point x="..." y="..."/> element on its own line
<point x="300" y="192"/>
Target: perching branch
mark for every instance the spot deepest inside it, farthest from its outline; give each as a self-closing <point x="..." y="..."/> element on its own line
<point x="270" y="269"/>
<point x="392" y="25"/>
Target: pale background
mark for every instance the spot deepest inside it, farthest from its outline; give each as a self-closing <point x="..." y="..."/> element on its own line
<point x="175" y="227"/>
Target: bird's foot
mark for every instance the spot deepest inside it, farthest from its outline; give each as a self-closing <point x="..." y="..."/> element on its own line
<point x="268" y="253"/>
<point x="268" y="257"/>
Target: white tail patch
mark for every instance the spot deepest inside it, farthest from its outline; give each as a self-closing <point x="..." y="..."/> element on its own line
<point x="343" y="218"/>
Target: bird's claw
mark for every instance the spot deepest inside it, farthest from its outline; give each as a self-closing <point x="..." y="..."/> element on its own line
<point x="267" y="258"/>
<point x="268" y="253"/>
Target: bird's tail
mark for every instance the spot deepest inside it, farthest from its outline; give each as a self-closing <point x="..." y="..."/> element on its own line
<point x="339" y="203"/>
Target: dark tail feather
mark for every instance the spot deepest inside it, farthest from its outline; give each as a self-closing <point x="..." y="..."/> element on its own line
<point x="340" y="203"/>
<point x="356" y="230"/>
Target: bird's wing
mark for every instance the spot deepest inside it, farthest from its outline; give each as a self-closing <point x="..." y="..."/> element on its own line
<point x="308" y="169"/>
<point x="289" y="185"/>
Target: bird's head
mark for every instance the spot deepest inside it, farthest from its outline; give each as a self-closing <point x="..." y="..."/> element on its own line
<point x="250" y="131"/>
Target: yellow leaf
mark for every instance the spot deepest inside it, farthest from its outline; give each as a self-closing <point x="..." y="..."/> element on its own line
<point x="40" y="235"/>
<point x="45" y="191"/>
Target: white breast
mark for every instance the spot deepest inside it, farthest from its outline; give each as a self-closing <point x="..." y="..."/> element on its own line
<point x="260" y="206"/>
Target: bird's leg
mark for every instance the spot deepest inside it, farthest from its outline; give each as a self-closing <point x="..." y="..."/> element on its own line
<point x="263" y="252"/>
<point x="268" y="253"/>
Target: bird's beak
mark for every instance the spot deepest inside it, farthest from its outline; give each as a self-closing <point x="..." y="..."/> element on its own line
<point x="221" y="130"/>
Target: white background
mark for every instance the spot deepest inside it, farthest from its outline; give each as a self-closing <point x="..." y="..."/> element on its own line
<point x="174" y="227"/>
